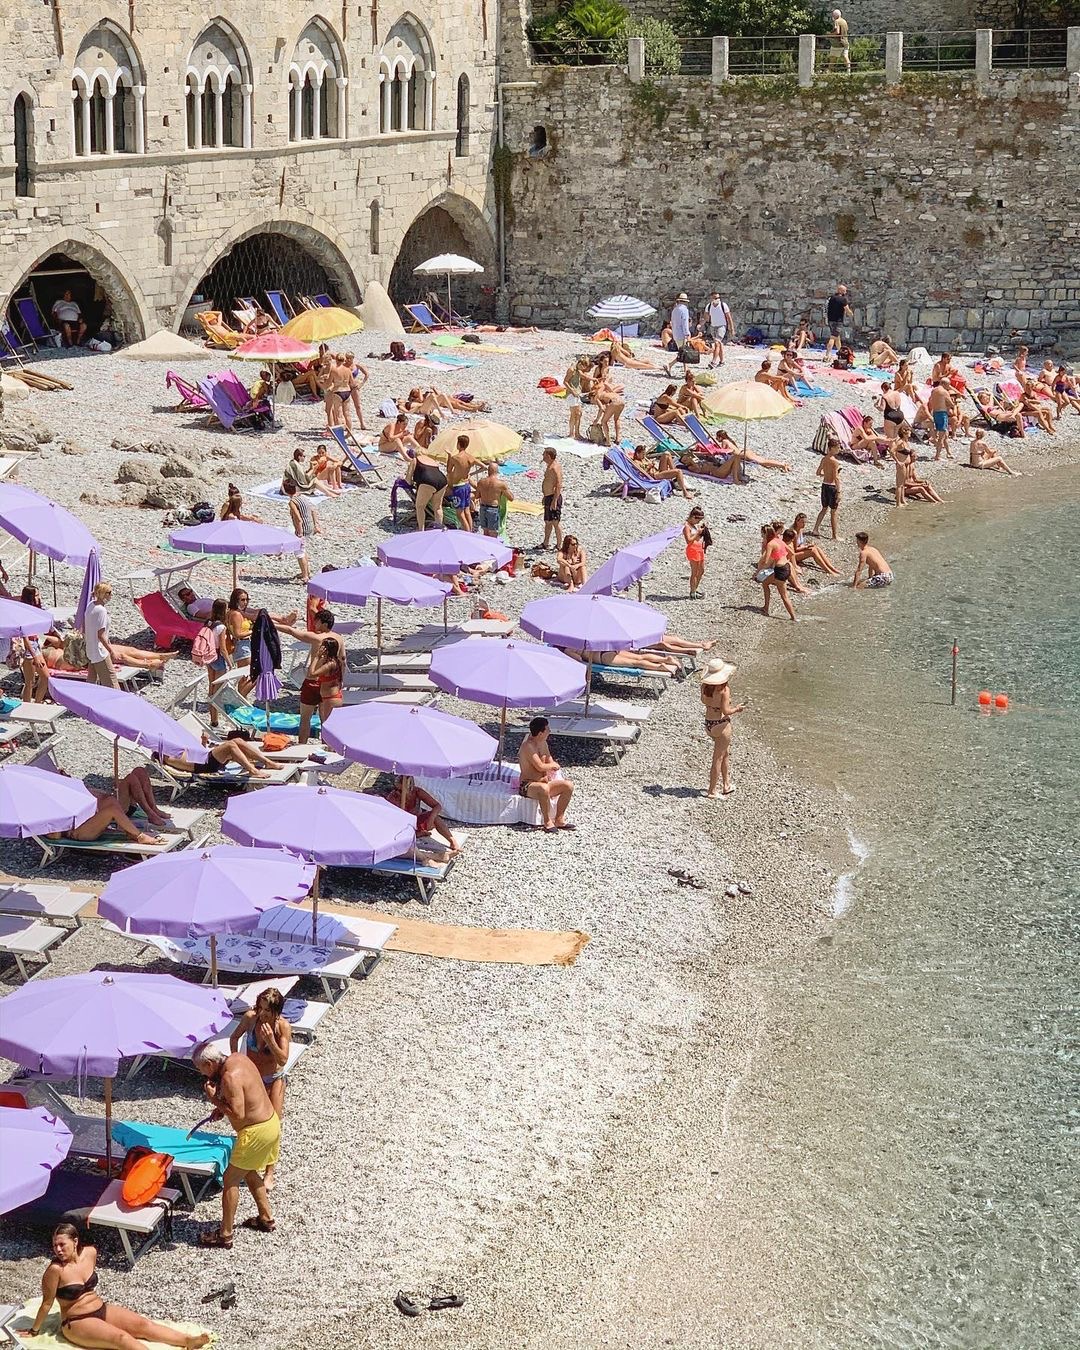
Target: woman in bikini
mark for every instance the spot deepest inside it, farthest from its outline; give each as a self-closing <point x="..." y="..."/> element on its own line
<point x="358" y="377"/>
<point x="719" y="710"/>
<point x="266" y="1037"/>
<point x="396" y="439"/>
<point x="864" y="437"/>
<point x="666" y="410"/>
<point x="327" y="471"/>
<point x="329" y="672"/>
<point x="621" y="354"/>
<point x="426" y="808"/>
<point x="71" y="1280"/>
<point x="980" y="456"/>
<point x="808" y="552"/>
<point x="608" y="400"/>
<point x="774" y="570"/>
<point x="237" y="748"/>
<point x="572" y="563"/>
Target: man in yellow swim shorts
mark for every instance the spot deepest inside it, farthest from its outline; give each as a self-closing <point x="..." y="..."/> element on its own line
<point x="235" y="1088"/>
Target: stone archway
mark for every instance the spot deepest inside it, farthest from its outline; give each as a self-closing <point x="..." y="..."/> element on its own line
<point x="449" y="224"/>
<point x="280" y="253"/>
<point x="105" y="268"/>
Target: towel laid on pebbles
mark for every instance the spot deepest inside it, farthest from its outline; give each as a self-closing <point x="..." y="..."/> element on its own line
<point x="275" y="494"/>
<point x="565" y="445"/>
<point x="52" y="1339"/>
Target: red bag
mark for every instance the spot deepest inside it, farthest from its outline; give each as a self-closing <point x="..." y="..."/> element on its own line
<point x="143" y="1174"/>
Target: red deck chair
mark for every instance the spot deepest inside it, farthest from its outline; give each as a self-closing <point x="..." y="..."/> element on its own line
<point x="163" y="620"/>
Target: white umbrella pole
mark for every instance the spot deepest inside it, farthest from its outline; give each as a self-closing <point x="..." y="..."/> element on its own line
<point x="52" y="573"/>
<point x="449" y="302"/>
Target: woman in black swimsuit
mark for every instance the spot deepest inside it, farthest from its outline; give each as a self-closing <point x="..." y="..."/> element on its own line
<point x="236" y="748"/>
<point x="70" y="1279"/>
<point x="719" y="710"/>
<point x="429" y="481"/>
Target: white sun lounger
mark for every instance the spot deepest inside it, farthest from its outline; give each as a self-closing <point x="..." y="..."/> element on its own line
<point x="618" y="735"/>
<point x="10" y="735"/>
<point x="143" y="1222"/>
<point x="291" y="923"/>
<point x="26" y="939"/>
<point x="8" y="1314"/>
<point x="176" y="780"/>
<point x="432" y="635"/>
<point x="126" y="676"/>
<point x="487" y="798"/>
<point x="432" y="865"/>
<point x="38" y="900"/>
<point x="415" y="698"/>
<point x="616" y="709"/>
<point x="41" y="718"/>
<point x="392" y="681"/>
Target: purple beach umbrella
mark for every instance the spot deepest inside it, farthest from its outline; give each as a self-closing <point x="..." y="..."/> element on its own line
<point x="43" y="526"/>
<point x="629" y="564"/>
<point x="91" y="577"/>
<point x="84" y="1025"/>
<point x="507" y="673"/>
<point x="35" y="801"/>
<point x="267" y="685"/>
<point x="330" y="827"/>
<point x="203" y="892"/>
<point x="235" y="538"/>
<point x="32" y="1143"/>
<point x="408" y="740"/>
<point x="443" y="552"/>
<point x="19" y="620"/>
<point x="358" y="585"/>
<point x="130" y="716"/>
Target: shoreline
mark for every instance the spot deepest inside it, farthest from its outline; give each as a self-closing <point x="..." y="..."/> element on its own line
<point x="481" y="1110"/>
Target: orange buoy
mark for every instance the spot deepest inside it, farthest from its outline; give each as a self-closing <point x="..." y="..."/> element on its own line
<point x="985" y="698"/>
<point x="1001" y="702"/>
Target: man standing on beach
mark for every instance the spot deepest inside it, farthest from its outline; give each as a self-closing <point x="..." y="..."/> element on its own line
<point x="322" y="624"/>
<point x="829" y="473"/>
<point x="492" y="491"/>
<point x="551" y="492"/>
<point x="235" y="1087"/>
<point x="540" y="780"/>
<point x="837" y="313"/>
<point x="719" y="324"/>
<point x="940" y="405"/>
<point x="879" y="573"/>
<point x="459" y="464"/>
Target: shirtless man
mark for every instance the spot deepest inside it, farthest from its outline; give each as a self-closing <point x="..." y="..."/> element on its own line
<point x="492" y="491"/>
<point x="551" y="492"/>
<point x="829" y="473"/>
<point x="539" y="781"/>
<point x="777" y="382"/>
<point x="879" y="573"/>
<point x="939" y="404"/>
<point x="322" y="623"/>
<point x="236" y="1090"/>
<point x="459" y="465"/>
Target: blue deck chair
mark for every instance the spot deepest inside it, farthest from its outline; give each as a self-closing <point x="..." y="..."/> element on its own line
<point x="279" y="305"/>
<point x="323" y="301"/>
<point x="222" y="405"/>
<point x="248" y="302"/>
<point x="701" y="436"/>
<point x="356" y="455"/>
<point x="423" y="321"/>
<point x="631" y="477"/>
<point x="660" y="436"/>
<point x="33" y="320"/>
<point x="10" y="346"/>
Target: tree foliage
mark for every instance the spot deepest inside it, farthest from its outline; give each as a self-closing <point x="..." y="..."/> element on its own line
<point x="753" y="18"/>
<point x="663" y="54"/>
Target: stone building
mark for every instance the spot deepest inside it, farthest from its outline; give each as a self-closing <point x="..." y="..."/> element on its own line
<point x="155" y="151"/>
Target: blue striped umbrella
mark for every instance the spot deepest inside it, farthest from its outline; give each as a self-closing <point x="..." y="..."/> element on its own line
<point x="621" y="309"/>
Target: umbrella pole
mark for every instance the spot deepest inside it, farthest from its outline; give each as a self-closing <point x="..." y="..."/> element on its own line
<point x="378" y="642"/>
<point x="30" y="567"/>
<point x="445" y="619"/>
<point x="52" y="573"/>
<point x="449" y="303"/>
<point x="639" y="590"/>
<point x="588" y="686"/>
<point x="234" y="571"/>
<point x="213" y="960"/>
<point x="116" y="765"/>
<point x="108" y="1128"/>
<point x="502" y="729"/>
<point x="315" y="903"/>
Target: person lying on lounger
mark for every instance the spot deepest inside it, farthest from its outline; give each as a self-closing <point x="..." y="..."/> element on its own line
<point x="426" y="808"/>
<point x="237" y="748"/>
<point x="712" y="467"/>
<point x="622" y="354"/>
<point x="655" y="662"/>
<point x="662" y="469"/>
<point x="194" y="606"/>
<point x="110" y="815"/>
<point x="1006" y="419"/>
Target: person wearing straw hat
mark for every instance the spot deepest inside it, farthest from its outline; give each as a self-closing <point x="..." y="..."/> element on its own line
<point x="719" y="710"/>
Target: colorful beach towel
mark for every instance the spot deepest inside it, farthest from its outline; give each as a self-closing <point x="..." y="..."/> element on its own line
<point x="202" y="1147"/>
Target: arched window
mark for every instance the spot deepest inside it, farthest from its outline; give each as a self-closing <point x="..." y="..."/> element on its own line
<point x="317" y="82"/>
<point x="218" y="80"/>
<point x="407" y="79"/>
<point x="107" y="95"/>
<point x="461" y="146"/>
<point x="24" y="121"/>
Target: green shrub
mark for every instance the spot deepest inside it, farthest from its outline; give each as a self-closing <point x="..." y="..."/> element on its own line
<point x="663" y="54"/>
<point x="753" y="18"/>
<point x="579" y="34"/>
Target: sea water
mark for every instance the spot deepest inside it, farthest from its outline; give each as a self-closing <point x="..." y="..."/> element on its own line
<point x="905" y="1142"/>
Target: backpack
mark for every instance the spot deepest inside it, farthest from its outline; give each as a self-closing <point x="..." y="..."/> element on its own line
<point x="204" y="648"/>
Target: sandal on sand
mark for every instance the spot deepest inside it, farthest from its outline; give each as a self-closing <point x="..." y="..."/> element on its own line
<point x="678" y="873"/>
<point x="259" y="1224"/>
<point x="226" y="1291"/>
<point x="407" y="1304"/>
<point x="440" y="1299"/>
<point x="216" y="1239"/>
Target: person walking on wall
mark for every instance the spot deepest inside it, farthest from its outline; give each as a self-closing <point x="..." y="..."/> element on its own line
<point x="840" y="39"/>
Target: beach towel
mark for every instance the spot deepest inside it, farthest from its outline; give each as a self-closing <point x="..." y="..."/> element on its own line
<point x="511" y="469"/>
<point x="52" y="1339"/>
<point x="566" y="445"/>
<point x="525" y="508"/>
<point x="272" y="490"/>
<point x="805" y="390"/>
<point x="459" y="362"/>
<point x="202" y="1147"/>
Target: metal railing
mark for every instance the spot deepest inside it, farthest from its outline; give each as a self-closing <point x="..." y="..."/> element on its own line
<point x="763" y="55"/>
<point x="866" y="52"/>
<point x="575" y="51"/>
<point x="1031" y="49"/>
<point x="953" y="49"/>
<point x="696" y="56"/>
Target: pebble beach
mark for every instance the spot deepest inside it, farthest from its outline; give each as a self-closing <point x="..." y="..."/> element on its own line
<point x="515" y="1133"/>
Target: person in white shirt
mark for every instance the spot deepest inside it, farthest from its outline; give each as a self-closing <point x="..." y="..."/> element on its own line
<point x="99" y="650"/>
<point x="719" y="322"/>
<point x="68" y="318"/>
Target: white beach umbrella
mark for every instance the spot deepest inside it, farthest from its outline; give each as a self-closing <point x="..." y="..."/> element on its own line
<point x="621" y="309"/>
<point x="454" y="265"/>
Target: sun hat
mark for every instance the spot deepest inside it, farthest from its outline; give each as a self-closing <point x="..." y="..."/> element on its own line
<point x="718" y="672"/>
<point x="682" y="296"/>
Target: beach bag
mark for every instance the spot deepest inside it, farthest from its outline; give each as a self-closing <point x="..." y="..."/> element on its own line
<point x="688" y="356"/>
<point x="143" y="1175"/>
<point x="754" y="336"/>
<point x="204" y="648"/>
<point x="275" y="740"/>
<point x="203" y="512"/>
<point x="75" y="651"/>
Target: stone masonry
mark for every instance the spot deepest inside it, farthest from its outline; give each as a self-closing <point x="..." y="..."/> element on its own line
<point x="150" y="224"/>
<point x="948" y="207"/>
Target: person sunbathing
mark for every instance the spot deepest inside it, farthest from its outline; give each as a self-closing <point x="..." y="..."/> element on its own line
<point x="736" y="452"/>
<point x="1064" y="389"/>
<point x="791" y="366"/>
<point x="727" y="469"/>
<point x="666" y="410"/>
<point x="426" y="808"/>
<point x="236" y="748"/>
<point x="396" y="439"/>
<point x="434" y="400"/>
<point x="803" y="335"/>
<point x="233" y="507"/>
<point x="1004" y="418"/>
<point x="806" y="552"/>
<point x="327" y="470"/>
<point x="777" y="382"/>
<point x="882" y="354"/>
<point x="655" y="662"/>
<point x="123" y="655"/>
<point x="980" y="456"/>
<point x="690" y="396"/>
<point x="1033" y="406"/>
<point x="915" y="488"/>
<point x="193" y="606"/>
<point x="864" y="437"/>
<point x="661" y="470"/>
<point x="260" y="323"/>
<point x="680" y="646"/>
<point x="71" y="1280"/>
<point x="425" y="429"/>
<point x="623" y="355"/>
<point x="110" y="815"/>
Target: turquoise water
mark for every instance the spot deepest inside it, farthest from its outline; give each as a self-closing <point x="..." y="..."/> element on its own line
<point x="907" y="1138"/>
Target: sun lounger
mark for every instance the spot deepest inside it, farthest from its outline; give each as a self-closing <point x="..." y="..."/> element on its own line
<point x="190" y="398"/>
<point x="224" y="409"/>
<point x="292" y="923"/>
<point x="323" y="301"/>
<point x="8" y="1314"/>
<point x="279" y="305"/>
<point x="661" y="436"/>
<point x="251" y="955"/>
<point x="702" y="438"/>
<point x="297" y="760"/>
<point x="10" y="340"/>
<point x="432" y="635"/>
<point x="632" y="673"/>
<point x="127" y="677"/>
<point x="8" y="465"/>
<point x="164" y="622"/>
<point x="487" y="798"/>
<point x="390" y="681"/>
<point x="40" y="718"/>
<point x="631" y="479"/>
<point x="23" y="939"/>
<point x="86" y="1199"/>
<point x="38" y="900"/>
<point x="10" y="735"/>
<point x="356" y="455"/>
<point x="423" y="321"/>
<point x="39" y="332"/>
<point x="614" y="709"/>
<point x="618" y="735"/>
<point x="432" y="864"/>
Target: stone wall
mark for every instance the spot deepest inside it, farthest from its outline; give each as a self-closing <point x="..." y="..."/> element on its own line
<point x="150" y="225"/>
<point x="950" y="213"/>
